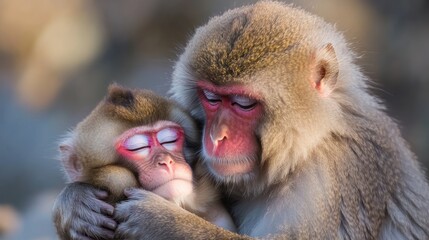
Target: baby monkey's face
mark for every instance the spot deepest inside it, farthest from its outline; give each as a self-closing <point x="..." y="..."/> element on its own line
<point x="155" y="152"/>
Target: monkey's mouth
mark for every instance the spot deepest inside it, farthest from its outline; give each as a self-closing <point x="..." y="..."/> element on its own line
<point x="231" y="165"/>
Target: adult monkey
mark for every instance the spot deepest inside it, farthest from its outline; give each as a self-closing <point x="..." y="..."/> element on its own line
<point x="291" y="134"/>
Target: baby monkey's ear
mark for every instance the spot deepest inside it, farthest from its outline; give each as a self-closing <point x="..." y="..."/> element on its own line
<point x="72" y="164"/>
<point x="120" y="96"/>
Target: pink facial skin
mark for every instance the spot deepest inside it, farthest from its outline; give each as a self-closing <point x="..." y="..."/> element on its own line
<point x="156" y="152"/>
<point x="232" y="115"/>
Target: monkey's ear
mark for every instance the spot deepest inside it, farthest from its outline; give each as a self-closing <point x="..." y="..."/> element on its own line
<point x="120" y="96"/>
<point x="325" y="70"/>
<point x="72" y="165"/>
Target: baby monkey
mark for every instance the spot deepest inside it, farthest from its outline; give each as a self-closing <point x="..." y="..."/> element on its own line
<point x="135" y="138"/>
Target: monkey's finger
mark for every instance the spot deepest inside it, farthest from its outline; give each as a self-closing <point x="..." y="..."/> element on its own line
<point x="81" y="237"/>
<point x="109" y="223"/>
<point x="123" y="231"/>
<point x="123" y="211"/>
<point x="134" y="193"/>
<point x="120" y="215"/>
<point x="101" y="194"/>
<point x="75" y="235"/>
<point x="100" y="206"/>
<point x="98" y="219"/>
<point x="93" y="232"/>
<point x="107" y="210"/>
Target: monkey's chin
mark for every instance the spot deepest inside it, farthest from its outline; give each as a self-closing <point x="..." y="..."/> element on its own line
<point x="175" y="189"/>
<point x="231" y="169"/>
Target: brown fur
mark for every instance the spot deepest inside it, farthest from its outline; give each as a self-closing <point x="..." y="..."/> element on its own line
<point x="90" y="159"/>
<point x="333" y="164"/>
<point x="138" y="107"/>
<point x="113" y="178"/>
<point x="120" y="110"/>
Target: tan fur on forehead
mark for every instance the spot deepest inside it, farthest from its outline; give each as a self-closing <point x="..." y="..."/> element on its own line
<point x="140" y="107"/>
<point x="250" y="39"/>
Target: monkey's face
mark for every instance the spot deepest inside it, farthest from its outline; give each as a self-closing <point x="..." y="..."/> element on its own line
<point x="155" y="152"/>
<point x="230" y="144"/>
<point x="264" y="88"/>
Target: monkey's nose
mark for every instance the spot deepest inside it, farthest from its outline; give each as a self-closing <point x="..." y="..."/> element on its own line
<point x="168" y="161"/>
<point x="218" y="134"/>
<point x="165" y="160"/>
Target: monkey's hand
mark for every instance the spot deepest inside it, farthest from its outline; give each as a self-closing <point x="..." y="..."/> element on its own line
<point x="146" y="215"/>
<point x="80" y="213"/>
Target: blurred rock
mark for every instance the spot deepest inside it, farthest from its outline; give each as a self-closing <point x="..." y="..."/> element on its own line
<point x="36" y="221"/>
<point x="9" y="220"/>
<point x="48" y="40"/>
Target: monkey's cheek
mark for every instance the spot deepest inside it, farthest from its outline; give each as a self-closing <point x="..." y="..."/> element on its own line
<point x="175" y="189"/>
<point x="230" y="169"/>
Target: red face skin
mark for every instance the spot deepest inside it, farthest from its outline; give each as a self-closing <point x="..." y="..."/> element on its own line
<point x="156" y="152"/>
<point x="232" y="116"/>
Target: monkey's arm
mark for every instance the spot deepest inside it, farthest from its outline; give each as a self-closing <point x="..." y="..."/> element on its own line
<point x="146" y="215"/>
<point x="80" y="213"/>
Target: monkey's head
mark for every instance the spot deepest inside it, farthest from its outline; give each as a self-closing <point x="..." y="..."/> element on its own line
<point x="267" y="81"/>
<point x="128" y="133"/>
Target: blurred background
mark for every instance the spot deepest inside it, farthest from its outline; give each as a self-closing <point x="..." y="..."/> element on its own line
<point x="58" y="57"/>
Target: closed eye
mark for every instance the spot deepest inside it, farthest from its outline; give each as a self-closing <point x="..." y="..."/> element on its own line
<point x="167" y="135"/>
<point x="137" y="149"/>
<point x="136" y="143"/>
<point x="245" y="107"/>
<point x="173" y="141"/>
<point x="170" y="145"/>
<point x="168" y="138"/>
<point x="243" y="103"/>
<point x="211" y="97"/>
